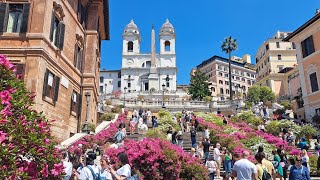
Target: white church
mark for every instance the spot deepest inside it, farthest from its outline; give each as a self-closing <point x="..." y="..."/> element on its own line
<point x="141" y="71"/>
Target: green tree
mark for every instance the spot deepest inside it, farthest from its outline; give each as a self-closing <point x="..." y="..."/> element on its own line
<point x="199" y="87"/>
<point x="228" y="46"/>
<point x="260" y="93"/>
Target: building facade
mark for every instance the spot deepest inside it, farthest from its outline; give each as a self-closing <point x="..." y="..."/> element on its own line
<point x="109" y="82"/>
<point x="56" y="47"/>
<point x="272" y="57"/>
<point x="307" y="41"/>
<point x="148" y="72"/>
<point x="217" y="69"/>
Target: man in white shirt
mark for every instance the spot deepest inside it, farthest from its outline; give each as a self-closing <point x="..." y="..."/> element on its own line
<point x="243" y="169"/>
<point x="217" y="158"/>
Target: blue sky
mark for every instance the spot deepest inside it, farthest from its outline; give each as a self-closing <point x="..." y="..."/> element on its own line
<point x="202" y="25"/>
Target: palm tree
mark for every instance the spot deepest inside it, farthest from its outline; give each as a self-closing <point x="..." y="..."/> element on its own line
<point x="228" y="46"/>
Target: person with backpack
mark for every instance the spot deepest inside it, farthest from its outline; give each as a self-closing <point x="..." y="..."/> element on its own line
<point x="263" y="173"/>
<point x="298" y="171"/>
<point x="119" y="136"/>
<point x="125" y="171"/>
<point x="90" y="171"/>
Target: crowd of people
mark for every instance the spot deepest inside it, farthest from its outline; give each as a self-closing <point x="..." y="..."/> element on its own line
<point x="93" y="164"/>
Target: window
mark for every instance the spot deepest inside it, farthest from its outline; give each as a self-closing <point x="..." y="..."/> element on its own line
<point x="278" y="44"/>
<point x="75" y="99"/>
<point x="101" y="79"/>
<point x="268" y="58"/>
<point x="220" y="74"/>
<point x="238" y="78"/>
<point x="226" y="82"/>
<point x="317" y="111"/>
<point x="119" y="84"/>
<point x="82" y="14"/>
<point x="219" y="67"/>
<point x="244" y="80"/>
<point x="167" y="84"/>
<point x="314" y="82"/>
<point x="51" y="86"/>
<point x="279" y="57"/>
<point x="227" y="91"/>
<point x="14" y="17"/>
<point x="101" y="89"/>
<point x="57" y="32"/>
<point x="213" y="89"/>
<point x="78" y="57"/>
<point x="119" y="74"/>
<point x="265" y="62"/>
<point x="20" y="68"/>
<point x="248" y="74"/>
<point x="148" y="64"/>
<point x="130" y="46"/>
<point x="167" y="46"/>
<point x="220" y="82"/>
<point x="221" y="90"/>
<point x="129" y="85"/>
<point x="232" y="77"/>
<point x="307" y="46"/>
<point x="267" y="47"/>
<point x="226" y="75"/>
<point x="280" y="68"/>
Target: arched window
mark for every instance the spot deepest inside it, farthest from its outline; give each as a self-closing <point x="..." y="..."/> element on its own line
<point x="130" y="46"/>
<point x="167" y="46"/>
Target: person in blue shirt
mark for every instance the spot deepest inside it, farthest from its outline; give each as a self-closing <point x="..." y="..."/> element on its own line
<point x="303" y="144"/>
<point x="299" y="172"/>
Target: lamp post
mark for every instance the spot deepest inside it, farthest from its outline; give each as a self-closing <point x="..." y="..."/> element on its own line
<point x="85" y="127"/>
<point x="163" y="106"/>
<point x="124" y="94"/>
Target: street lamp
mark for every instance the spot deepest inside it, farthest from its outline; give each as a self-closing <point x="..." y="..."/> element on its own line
<point x="85" y="127"/>
<point x="124" y="98"/>
<point x="163" y="106"/>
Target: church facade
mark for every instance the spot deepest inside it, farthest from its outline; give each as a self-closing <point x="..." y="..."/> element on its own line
<point x="148" y="72"/>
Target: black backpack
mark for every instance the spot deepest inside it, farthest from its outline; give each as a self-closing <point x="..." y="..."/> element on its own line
<point x="266" y="175"/>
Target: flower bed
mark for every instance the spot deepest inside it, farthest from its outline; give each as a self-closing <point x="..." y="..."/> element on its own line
<point x="100" y="139"/>
<point x="27" y="148"/>
<point x="159" y="159"/>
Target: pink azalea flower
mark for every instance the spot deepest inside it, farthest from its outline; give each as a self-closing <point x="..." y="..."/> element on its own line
<point x="44" y="171"/>
<point x="57" y="169"/>
<point x="3" y="136"/>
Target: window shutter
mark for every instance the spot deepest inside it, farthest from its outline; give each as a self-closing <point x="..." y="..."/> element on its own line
<point x="26" y="10"/>
<point x="71" y="102"/>
<point x="51" y="29"/>
<point x="45" y="83"/>
<point x="61" y="28"/>
<point x="79" y="104"/>
<point x="56" y="88"/>
<point x="311" y="45"/>
<point x="3" y="17"/>
<point x="75" y="61"/>
<point x="20" y="71"/>
<point x="80" y="60"/>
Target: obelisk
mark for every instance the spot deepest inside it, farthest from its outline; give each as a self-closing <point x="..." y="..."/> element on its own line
<point x="153" y="76"/>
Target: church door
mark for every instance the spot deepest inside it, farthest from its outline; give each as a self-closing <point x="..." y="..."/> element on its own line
<point x="146" y="86"/>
